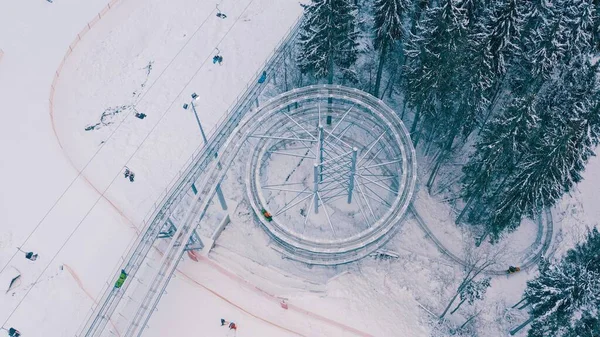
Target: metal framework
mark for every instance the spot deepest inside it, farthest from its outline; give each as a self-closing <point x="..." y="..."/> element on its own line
<point x="339" y="155"/>
<point x="335" y="168"/>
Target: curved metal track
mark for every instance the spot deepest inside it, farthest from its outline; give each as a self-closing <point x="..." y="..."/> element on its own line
<point x="530" y="261"/>
<point x="136" y="262"/>
<point x="210" y="173"/>
<point x="369" y="115"/>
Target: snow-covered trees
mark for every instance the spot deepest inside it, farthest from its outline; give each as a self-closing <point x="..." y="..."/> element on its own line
<point x="519" y="71"/>
<point x="471" y="289"/>
<point x="432" y="58"/>
<point x="328" y="38"/>
<point x="389" y="16"/>
<point x="565" y="297"/>
<point x="531" y="154"/>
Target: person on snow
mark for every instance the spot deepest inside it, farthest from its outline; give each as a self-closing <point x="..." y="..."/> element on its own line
<point x="29" y="255"/>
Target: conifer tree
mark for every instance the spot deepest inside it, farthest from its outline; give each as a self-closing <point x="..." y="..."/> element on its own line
<point x="565" y="297"/>
<point x="328" y="38"/>
<point x="389" y="16"/>
<point x="432" y="59"/>
<point x="544" y="163"/>
<point x="496" y="155"/>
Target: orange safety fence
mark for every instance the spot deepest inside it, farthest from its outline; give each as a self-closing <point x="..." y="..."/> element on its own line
<point x="68" y="53"/>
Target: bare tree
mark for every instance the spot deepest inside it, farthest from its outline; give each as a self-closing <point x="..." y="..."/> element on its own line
<point x="477" y="260"/>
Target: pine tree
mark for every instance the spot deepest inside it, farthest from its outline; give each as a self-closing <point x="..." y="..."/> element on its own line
<point x="505" y="25"/>
<point x="389" y="17"/>
<point x="554" y="34"/>
<point x="501" y="42"/>
<point x="545" y="162"/>
<point x="499" y="149"/>
<point x="432" y="59"/>
<point x="328" y="38"/>
<point x="554" y="161"/>
<point x="564" y="298"/>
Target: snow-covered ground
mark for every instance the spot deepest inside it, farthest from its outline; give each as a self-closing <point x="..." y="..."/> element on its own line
<point x="149" y="56"/>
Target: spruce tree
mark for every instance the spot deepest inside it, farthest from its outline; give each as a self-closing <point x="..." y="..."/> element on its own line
<point x="389" y="17"/>
<point x="539" y="167"/>
<point x="432" y="59"/>
<point x="328" y="38"/>
<point x="496" y="155"/>
<point x="555" y="158"/>
<point x="565" y="297"/>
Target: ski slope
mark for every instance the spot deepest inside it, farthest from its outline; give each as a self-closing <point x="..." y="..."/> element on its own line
<point x="88" y="229"/>
<point x="95" y="213"/>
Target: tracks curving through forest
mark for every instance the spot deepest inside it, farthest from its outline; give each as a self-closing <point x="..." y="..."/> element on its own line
<point x="547" y="225"/>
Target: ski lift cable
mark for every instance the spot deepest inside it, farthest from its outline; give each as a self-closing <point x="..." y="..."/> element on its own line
<point x="104" y="143"/>
<point x="119" y="125"/>
<point x="128" y="160"/>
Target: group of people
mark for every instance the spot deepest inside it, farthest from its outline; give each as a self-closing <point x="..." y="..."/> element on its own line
<point x="231" y="325"/>
<point x="129" y="174"/>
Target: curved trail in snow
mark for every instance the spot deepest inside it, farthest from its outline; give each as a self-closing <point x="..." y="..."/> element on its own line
<point x="530" y="261"/>
<point x="80" y="285"/>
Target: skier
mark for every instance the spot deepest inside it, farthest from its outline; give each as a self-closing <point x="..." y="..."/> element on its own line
<point x="232" y="326"/>
<point x="263" y="77"/>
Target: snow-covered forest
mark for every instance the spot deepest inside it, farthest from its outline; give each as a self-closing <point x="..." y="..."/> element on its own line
<point x="507" y="89"/>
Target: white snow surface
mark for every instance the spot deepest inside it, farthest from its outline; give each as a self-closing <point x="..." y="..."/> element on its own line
<point x="93" y="217"/>
<point x="90" y="226"/>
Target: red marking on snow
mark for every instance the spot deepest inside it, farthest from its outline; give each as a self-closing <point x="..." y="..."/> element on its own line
<point x="192" y="255"/>
<point x="80" y="284"/>
<point x="191" y="280"/>
<point x="277" y="299"/>
<point x="53" y="123"/>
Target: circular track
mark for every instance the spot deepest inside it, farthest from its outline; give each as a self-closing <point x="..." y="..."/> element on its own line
<point x="375" y="126"/>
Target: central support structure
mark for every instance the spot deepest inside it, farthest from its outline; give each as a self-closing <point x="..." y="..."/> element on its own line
<point x="316" y="188"/>
<point x="321" y="141"/>
<point x="352" y="174"/>
<point x="331" y="172"/>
